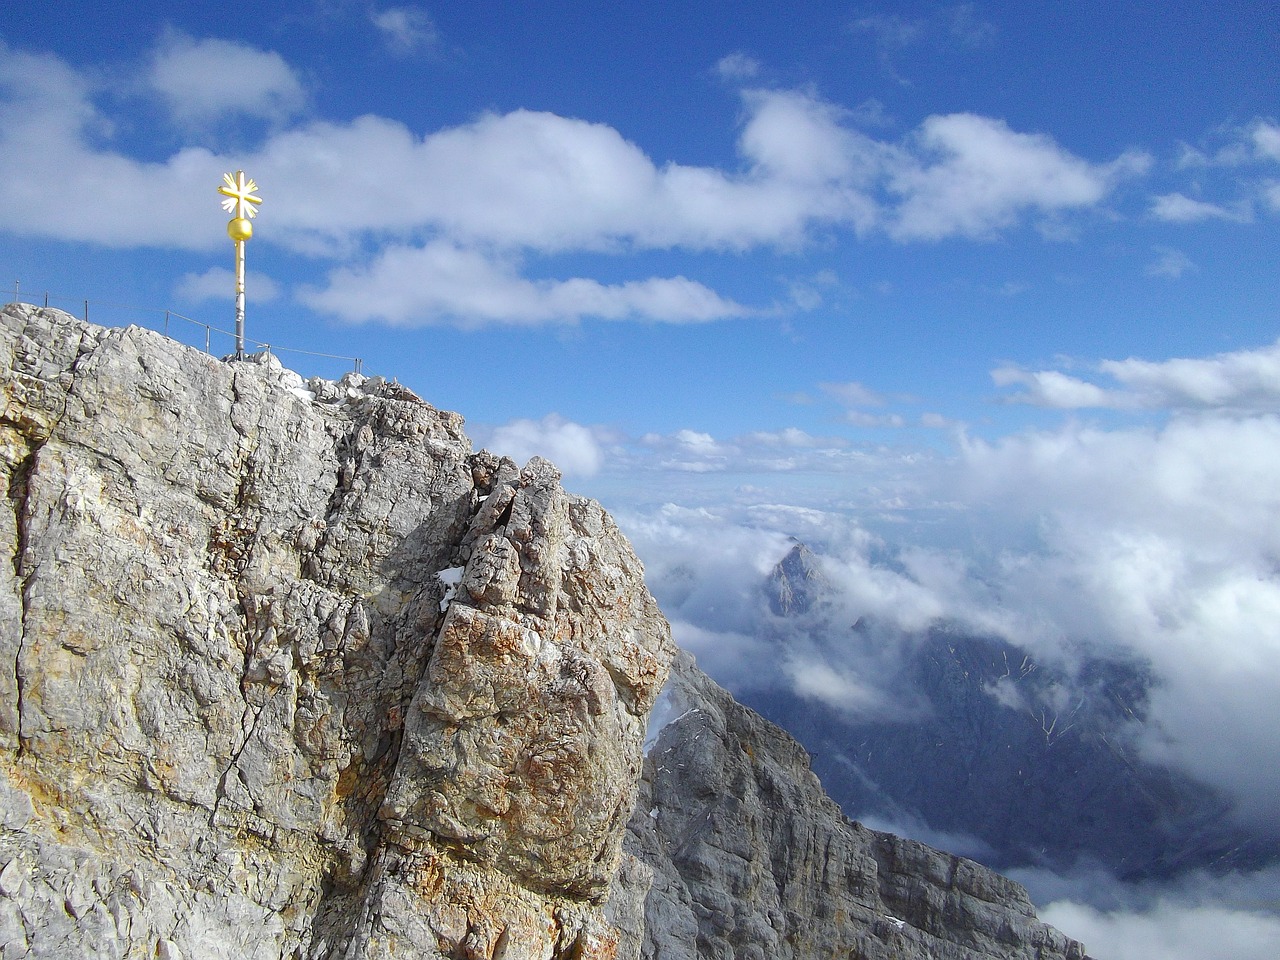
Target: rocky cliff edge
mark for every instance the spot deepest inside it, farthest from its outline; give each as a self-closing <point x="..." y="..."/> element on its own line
<point x="287" y="670"/>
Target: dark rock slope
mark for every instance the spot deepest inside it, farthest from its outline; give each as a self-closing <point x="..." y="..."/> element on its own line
<point x="750" y="859"/>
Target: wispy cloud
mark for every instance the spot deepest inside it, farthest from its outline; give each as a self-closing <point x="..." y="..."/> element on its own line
<point x="405" y="30"/>
<point x="1249" y="152"/>
<point x="737" y="66"/>
<point x="1271" y="194"/>
<point x="1245" y="381"/>
<point x="218" y="283"/>
<point x="969" y="28"/>
<point x="204" y="80"/>
<point x="856" y="398"/>
<point x="958" y="27"/>
<point x="860" y="418"/>
<point x="853" y="394"/>
<point x="1265" y="138"/>
<point x="1177" y="208"/>
<point x="1169" y="263"/>
<point x="1234" y="145"/>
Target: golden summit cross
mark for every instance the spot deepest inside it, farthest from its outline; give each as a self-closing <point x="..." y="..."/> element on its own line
<point x="239" y="191"/>
<point x="243" y="203"/>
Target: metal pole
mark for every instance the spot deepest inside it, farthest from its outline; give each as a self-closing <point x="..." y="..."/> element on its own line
<point x="239" y="299"/>
<point x="242" y="203"/>
<point x="86" y="311"/>
<point x="15" y="290"/>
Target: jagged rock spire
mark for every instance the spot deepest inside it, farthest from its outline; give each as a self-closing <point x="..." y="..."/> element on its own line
<point x="796" y="583"/>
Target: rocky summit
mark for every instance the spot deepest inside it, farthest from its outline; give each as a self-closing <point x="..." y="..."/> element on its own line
<point x="287" y="670"/>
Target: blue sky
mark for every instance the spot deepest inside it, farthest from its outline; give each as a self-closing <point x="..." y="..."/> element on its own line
<point x="687" y="219"/>
<point x="979" y="299"/>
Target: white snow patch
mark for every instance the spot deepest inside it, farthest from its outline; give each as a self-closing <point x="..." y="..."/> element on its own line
<point x="450" y="578"/>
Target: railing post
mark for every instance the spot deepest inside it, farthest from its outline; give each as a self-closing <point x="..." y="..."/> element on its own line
<point x="266" y="348"/>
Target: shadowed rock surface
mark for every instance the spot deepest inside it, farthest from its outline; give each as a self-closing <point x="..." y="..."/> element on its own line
<point x="288" y="671"/>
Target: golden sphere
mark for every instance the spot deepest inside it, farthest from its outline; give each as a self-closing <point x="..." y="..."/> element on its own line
<point x="239" y="229"/>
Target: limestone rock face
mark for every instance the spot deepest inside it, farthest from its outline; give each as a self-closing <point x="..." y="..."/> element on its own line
<point x="287" y="670"/>
<point x="736" y="853"/>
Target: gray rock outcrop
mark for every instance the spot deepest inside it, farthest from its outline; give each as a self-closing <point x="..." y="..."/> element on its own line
<point x="287" y="670"/>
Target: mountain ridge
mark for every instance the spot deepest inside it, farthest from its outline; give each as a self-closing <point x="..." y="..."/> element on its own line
<point x="288" y="670"/>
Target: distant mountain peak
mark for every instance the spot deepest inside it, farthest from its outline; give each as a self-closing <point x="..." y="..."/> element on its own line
<point x="796" y="583"/>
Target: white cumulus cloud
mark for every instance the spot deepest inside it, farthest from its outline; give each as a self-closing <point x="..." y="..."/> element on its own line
<point x="445" y="283"/>
<point x="54" y="184"/>
<point x="524" y="179"/>
<point x="1239" y="381"/>
<point x="440" y="223"/>
<point x="1052" y="388"/>
<point x="974" y="176"/>
<point x="573" y="448"/>
<point x="205" y="79"/>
